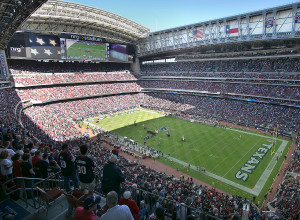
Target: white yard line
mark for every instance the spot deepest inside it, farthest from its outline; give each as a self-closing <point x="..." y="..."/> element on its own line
<point x="267" y="172"/>
<point x="263" y="178"/>
<point x="259" y="184"/>
<point x="229" y="182"/>
<point x="241" y="158"/>
<point x="152" y="112"/>
<point x="246" y="132"/>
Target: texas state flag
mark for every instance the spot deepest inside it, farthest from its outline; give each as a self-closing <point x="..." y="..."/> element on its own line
<point x="231" y="29"/>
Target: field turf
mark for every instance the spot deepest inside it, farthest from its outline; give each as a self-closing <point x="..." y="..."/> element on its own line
<point x="86" y="51"/>
<point x="220" y="151"/>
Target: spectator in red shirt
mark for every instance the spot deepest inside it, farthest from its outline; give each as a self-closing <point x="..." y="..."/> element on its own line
<point x="37" y="156"/>
<point x="17" y="172"/>
<point x="134" y="209"/>
<point x="87" y="212"/>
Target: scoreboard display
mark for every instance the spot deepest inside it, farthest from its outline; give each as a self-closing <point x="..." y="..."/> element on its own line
<point x="69" y="47"/>
<point x="84" y="50"/>
<point x="118" y="52"/>
<point x="44" y="47"/>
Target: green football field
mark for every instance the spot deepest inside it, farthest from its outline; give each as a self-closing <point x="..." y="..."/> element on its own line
<point x="86" y="51"/>
<point x="236" y="161"/>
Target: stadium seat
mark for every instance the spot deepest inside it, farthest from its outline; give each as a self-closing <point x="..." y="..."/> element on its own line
<point x="76" y="198"/>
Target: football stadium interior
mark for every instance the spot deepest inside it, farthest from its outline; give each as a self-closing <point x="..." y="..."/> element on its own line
<point x="200" y="121"/>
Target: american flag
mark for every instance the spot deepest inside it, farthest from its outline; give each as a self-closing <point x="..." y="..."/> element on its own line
<point x="269" y="22"/>
<point x="198" y="33"/>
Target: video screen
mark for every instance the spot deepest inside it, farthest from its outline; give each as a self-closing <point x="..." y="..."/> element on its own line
<point x="44" y="47"/>
<point x="35" y="46"/>
<point x="85" y="50"/>
<point x="118" y="52"/>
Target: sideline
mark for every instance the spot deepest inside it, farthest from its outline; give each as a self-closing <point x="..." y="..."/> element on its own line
<point x="259" y="184"/>
<point x="263" y="178"/>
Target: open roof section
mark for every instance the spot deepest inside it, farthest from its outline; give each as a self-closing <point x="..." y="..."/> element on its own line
<point x="55" y="17"/>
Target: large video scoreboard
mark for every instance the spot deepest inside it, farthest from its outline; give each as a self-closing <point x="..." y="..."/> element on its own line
<point x="70" y="47"/>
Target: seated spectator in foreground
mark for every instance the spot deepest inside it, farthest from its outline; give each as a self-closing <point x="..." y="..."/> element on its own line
<point x="87" y="212"/>
<point x="115" y="211"/>
<point x="126" y="200"/>
<point x="53" y="168"/>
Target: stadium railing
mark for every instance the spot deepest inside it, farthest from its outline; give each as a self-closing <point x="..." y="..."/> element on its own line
<point x="18" y="188"/>
<point x="150" y="201"/>
<point x="45" y="192"/>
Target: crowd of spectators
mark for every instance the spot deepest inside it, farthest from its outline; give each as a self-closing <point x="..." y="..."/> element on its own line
<point x="56" y="120"/>
<point x="251" y="65"/>
<point x="243" y="52"/>
<point x="33" y="67"/>
<point x="274" y="77"/>
<point x="65" y="92"/>
<point x="294" y="166"/>
<point x="207" y="199"/>
<point x="274" y="91"/>
<point x="286" y="200"/>
<point x="162" y="186"/>
<point x="53" y="125"/>
<point x="40" y="78"/>
<point x="249" y="113"/>
<point x="130" y="147"/>
<point x="8" y="101"/>
<point x="176" y="190"/>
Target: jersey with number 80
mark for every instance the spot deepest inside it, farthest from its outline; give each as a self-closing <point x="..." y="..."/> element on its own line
<point x="81" y="169"/>
<point x="85" y="167"/>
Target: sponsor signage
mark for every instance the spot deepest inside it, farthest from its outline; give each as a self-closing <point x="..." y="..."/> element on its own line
<point x="3" y="65"/>
<point x="83" y="37"/>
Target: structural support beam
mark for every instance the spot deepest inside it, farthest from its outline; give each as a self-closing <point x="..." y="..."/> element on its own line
<point x="250" y="26"/>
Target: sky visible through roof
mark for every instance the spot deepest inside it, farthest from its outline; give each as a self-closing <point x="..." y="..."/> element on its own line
<point x="163" y="14"/>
